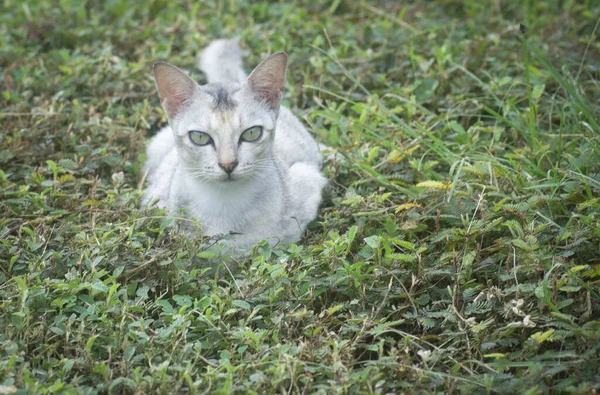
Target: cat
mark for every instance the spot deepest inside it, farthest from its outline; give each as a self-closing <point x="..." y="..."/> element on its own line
<point x="231" y="156"/>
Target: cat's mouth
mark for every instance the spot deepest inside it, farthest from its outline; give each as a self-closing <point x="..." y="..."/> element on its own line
<point x="233" y="178"/>
<point x="229" y="178"/>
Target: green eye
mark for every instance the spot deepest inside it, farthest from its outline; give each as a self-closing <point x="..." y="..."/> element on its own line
<point x="252" y="134"/>
<point x="200" y="138"/>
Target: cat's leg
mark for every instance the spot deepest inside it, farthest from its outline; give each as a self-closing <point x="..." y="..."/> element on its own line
<point x="159" y="169"/>
<point x="306" y="184"/>
<point x="160" y="145"/>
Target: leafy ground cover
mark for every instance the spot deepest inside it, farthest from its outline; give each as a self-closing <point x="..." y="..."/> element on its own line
<point x="458" y="248"/>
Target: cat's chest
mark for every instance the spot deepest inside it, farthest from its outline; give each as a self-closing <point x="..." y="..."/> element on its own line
<point x="233" y="208"/>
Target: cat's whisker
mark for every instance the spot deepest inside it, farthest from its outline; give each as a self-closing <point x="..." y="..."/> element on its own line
<point x="261" y="161"/>
<point x="263" y="164"/>
<point x="203" y="176"/>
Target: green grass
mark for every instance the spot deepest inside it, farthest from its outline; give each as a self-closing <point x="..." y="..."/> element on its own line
<point x="458" y="248"/>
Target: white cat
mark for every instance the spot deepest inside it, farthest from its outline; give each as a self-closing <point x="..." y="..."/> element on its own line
<point x="231" y="157"/>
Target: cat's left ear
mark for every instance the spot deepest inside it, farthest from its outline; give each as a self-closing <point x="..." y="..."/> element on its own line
<point x="174" y="87"/>
<point x="268" y="79"/>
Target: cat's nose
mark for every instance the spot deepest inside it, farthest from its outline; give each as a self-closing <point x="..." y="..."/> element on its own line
<point x="228" y="167"/>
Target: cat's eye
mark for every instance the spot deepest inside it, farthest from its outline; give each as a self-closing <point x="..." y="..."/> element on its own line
<point x="252" y="134"/>
<point x="200" y="138"/>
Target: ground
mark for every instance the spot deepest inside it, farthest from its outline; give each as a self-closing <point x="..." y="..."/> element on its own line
<point x="457" y="249"/>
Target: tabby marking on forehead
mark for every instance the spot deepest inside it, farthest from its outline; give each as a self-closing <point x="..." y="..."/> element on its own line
<point x="222" y="96"/>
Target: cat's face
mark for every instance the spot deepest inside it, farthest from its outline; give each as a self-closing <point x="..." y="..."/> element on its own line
<point x="223" y="132"/>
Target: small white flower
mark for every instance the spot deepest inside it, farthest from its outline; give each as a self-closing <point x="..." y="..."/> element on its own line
<point x="516" y="306"/>
<point x="527" y="322"/>
<point x="424" y="354"/>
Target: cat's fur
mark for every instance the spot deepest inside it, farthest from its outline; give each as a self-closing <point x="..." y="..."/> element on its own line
<point x="275" y="188"/>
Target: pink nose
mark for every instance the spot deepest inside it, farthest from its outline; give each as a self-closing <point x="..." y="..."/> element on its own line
<point x="228" y="167"/>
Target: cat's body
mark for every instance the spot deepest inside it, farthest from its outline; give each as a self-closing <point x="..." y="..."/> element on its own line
<point x="209" y="163"/>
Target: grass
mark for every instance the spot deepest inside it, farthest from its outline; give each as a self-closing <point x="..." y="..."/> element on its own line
<point x="458" y="248"/>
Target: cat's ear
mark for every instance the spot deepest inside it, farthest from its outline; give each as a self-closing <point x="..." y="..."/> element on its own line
<point x="268" y="79"/>
<point x="174" y="87"/>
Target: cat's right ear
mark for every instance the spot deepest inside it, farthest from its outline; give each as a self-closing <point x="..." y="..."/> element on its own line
<point x="174" y="87"/>
<point x="268" y="79"/>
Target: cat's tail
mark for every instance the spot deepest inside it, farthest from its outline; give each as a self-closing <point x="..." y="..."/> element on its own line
<point x="221" y="61"/>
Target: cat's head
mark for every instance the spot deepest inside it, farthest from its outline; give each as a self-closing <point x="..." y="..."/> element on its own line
<point x="223" y="131"/>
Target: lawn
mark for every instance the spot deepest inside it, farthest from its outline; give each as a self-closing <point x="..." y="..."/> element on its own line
<point x="457" y="248"/>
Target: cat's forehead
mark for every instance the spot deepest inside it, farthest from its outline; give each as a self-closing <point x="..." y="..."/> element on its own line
<point x="214" y="107"/>
<point x="222" y="95"/>
<point x="219" y="107"/>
